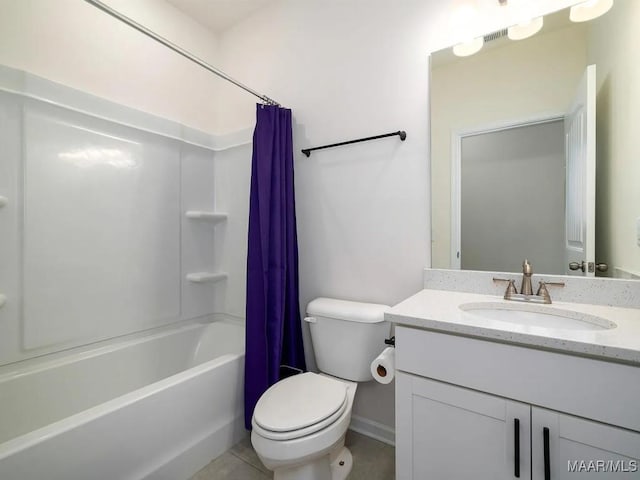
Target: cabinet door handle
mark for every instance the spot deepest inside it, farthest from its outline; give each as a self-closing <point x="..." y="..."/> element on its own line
<point x="516" y="443"/>
<point x="547" y="462"/>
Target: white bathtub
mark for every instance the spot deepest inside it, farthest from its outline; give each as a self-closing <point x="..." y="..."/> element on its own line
<point x="159" y="406"/>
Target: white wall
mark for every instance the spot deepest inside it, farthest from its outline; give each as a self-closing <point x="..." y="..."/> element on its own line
<point x="362" y="210"/>
<point x="74" y="43"/>
<point x="618" y="143"/>
<point x="348" y="70"/>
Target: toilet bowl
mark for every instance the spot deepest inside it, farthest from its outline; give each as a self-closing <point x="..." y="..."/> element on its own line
<point x="299" y="424"/>
<point x="304" y="443"/>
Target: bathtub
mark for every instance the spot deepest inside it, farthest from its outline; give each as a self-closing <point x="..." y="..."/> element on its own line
<point x="158" y="406"/>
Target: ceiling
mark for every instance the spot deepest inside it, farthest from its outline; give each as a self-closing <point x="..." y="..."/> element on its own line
<point x="218" y="15"/>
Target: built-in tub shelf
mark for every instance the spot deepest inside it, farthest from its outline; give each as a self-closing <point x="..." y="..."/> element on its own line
<point x="206" y="277"/>
<point x="203" y="215"/>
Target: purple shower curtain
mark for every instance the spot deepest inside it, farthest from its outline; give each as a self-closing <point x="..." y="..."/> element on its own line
<point x="273" y="330"/>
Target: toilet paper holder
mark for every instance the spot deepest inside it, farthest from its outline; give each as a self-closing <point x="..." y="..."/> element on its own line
<point x="383" y="366"/>
<point x="390" y="341"/>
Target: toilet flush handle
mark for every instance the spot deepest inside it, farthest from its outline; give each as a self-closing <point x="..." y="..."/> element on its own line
<point x="310" y="319"/>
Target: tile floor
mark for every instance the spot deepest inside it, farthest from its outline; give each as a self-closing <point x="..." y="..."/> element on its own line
<point x="372" y="460"/>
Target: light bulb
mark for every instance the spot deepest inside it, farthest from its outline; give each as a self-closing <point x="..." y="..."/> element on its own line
<point x="589" y="10"/>
<point x="466" y="49"/>
<point x="526" y="29"/>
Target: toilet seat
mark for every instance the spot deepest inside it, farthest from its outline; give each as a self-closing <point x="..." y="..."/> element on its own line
<point x="299" y="406"/>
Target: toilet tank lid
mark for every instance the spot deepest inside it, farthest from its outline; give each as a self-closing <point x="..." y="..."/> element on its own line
<point x="347" y="310"/>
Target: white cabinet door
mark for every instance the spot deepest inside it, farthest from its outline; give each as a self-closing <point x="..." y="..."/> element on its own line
<point x="452" y="433"/>
<point x="566" y="447"/>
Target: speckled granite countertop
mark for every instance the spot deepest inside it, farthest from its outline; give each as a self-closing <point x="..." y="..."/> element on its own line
<point x="439" y="310"/>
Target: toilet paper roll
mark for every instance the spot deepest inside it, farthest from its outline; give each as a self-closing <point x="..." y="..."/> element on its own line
<point x="383" y="368"/>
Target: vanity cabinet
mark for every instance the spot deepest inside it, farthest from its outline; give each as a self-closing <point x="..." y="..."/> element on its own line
<point x="472" y="409"/>
<point x="450" y="432"/>
<point x="447" y="432"/>
<point x="579" y="448"/>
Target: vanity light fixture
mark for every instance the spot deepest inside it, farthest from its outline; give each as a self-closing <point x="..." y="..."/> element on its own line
<point x="589" y="10"/>
<point x="466" y="49"/>
<point x="464" y="16"/>
<point x="526" y="29"/>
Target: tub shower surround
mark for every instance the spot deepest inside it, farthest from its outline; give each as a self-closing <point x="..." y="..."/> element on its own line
<point x="114" y="224"/>
<point x="100" y="232"/>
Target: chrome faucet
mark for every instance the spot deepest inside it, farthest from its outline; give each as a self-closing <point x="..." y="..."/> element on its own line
<point x="526" y="291"/>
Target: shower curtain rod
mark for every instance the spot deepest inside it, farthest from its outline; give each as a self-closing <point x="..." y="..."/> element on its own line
<point x="142" y="29"/>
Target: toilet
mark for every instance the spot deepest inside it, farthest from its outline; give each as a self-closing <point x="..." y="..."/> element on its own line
<point x="299" y="424"/>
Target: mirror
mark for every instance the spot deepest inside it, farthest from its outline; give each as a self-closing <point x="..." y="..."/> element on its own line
<point x="504" y="185"/>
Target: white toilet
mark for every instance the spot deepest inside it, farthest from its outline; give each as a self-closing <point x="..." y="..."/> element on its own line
<point x="299" y="424"/>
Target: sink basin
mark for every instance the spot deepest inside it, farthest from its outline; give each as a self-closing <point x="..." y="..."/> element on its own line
<point x="536" y="316"/>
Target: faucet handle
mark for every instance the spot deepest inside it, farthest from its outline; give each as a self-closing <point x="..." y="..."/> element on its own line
<point x="544" y="293"/>
<point x="551" y="284"/>
<point x="511" y="287"/>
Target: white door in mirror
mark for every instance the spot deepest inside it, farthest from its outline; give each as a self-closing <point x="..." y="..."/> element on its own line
<point x="580" y="131"/>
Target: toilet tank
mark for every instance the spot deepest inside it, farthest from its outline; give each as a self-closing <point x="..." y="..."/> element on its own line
<point x="347" y="336"/>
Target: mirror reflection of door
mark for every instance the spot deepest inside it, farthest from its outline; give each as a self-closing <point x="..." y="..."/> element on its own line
<point x="512" y="198"/>
<point x="580" y="135"/>
<point x="527" y="190"/>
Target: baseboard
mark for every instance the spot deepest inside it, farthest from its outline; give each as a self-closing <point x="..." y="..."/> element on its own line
<point x="373" y="429"/>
